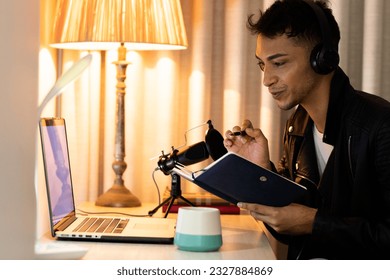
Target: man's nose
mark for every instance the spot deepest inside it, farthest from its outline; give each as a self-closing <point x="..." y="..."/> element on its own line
<point x="269" y="77"/>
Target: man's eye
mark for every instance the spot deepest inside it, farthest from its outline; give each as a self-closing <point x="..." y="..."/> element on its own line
<point x="278" y="64"/>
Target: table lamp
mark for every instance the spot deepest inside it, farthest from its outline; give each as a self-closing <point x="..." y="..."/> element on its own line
<point x="122" y="24"/>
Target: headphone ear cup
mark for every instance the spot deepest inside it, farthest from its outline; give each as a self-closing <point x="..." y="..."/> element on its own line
<point x="324" y="60"/>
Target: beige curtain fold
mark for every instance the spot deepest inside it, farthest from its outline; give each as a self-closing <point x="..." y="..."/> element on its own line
<point x="215" y="78"/>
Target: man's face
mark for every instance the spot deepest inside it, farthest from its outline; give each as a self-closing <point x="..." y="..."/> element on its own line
<point x="287" y="71"/>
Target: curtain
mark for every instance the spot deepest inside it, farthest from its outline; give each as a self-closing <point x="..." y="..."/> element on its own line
<point x="170" y="92"/>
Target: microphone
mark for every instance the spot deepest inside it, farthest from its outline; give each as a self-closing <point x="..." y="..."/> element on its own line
<point x="214" y="142"/>
<point x="212" y="146"/>
<point x="190" y="155"/>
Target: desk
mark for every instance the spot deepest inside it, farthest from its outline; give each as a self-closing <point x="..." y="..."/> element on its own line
<point x="242" y="236"/>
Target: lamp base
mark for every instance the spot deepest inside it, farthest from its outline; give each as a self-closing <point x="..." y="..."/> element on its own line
<point x="118" y="196"/>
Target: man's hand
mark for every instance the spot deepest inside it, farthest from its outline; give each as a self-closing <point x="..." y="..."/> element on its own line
<point x="252" y="145"/>
<point x="293" y="219"/>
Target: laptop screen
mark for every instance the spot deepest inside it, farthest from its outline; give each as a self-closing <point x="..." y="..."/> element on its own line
<point x="57" y="168"/>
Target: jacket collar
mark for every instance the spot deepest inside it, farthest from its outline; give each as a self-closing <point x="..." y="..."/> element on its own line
<point x="298" y="123"/>
<point x="340" y="89"/>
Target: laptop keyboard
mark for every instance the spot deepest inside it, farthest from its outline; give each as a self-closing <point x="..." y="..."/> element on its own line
<point x="102" y="225"/>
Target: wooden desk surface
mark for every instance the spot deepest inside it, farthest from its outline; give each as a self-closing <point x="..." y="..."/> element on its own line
<point x="242" y="236"/>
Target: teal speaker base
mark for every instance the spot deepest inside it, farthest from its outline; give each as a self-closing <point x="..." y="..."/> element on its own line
<point x="198" y="243"/>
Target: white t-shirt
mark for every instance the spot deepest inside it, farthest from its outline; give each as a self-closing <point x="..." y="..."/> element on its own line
<point x="323" y="150"/>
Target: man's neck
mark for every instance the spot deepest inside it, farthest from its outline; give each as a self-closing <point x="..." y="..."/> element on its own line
<point x="317" y="105"/>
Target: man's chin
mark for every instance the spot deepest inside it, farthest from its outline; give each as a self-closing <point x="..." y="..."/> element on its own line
<point x="285" y="106"/>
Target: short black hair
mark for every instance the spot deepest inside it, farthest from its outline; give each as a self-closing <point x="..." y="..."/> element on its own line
<point x="295" y="18"/>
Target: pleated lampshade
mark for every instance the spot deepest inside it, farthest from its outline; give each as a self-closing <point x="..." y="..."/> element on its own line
<point x="102" y="24"/>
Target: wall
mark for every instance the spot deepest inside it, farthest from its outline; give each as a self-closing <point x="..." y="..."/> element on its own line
<point x="19" y="31"/>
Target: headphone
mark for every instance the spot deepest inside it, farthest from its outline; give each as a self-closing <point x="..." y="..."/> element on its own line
<point x="324" y="57"/>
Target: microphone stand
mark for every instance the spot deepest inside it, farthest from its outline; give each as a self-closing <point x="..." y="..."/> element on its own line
<point x="175" y="194"/>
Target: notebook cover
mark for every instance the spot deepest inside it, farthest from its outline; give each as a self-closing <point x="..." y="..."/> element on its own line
<point x="236" y="179"/>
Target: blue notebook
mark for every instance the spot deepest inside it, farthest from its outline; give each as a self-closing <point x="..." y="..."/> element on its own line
<point x="236" y="179"/>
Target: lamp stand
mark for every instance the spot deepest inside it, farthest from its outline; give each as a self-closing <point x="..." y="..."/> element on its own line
<point x="118" y="195"/>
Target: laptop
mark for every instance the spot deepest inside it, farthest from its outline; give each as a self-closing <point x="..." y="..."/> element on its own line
<point x="65" y="223"/>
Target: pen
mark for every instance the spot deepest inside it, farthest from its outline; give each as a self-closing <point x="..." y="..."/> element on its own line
<point x="239" y="133"/>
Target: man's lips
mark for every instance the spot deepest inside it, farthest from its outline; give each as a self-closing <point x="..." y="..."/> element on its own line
<point x="276" y="93"/>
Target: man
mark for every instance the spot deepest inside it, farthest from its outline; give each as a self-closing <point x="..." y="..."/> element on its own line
<point x="336" y="143"/>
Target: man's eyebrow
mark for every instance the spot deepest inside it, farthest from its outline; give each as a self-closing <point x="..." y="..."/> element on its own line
<point x="271" y="57"/>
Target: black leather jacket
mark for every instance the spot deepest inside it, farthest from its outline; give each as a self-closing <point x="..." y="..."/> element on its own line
<point x="353" y="194"/>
